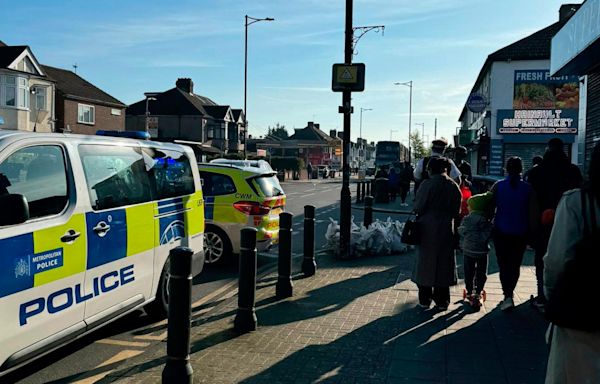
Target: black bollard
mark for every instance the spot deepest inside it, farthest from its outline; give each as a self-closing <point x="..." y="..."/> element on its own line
<point x="309" y="266"/>
<point x="284" y="287"/>
<point x="368" y="188"/>
<point x="245" y="318"/>
<point x="358" y="192"/>
<point x="178" y="368"/>
<point x="368" y="211"/>
<point x="364" y="184"/>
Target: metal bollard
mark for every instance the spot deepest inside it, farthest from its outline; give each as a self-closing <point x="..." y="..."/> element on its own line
<point x="368" y="188"/>
<point x="284" y="287"/>
<point x="245" y="317"/>
<point x="309" y="266"/>
<point x="364" y="184"/>
<point x="178" y="368"/>
<point x="368" y="211"/>
<point x="358" y="192"/>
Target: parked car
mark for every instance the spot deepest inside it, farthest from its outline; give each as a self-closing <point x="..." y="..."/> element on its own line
<point x="237" y="196"/>
<point x="324" y="171"/>
<point x="483" y="183"/>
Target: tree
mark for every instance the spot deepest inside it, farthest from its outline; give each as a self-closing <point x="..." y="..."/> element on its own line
<point x="278" y="131"/>
<point x="418" y="148"/>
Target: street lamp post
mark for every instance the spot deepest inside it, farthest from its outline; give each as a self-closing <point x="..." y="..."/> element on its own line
<point x="246" y="24"/>
<point x="410" y="85"/>
<point x="361" y="148"/>
<point x="361" y="112"/>
<point x="148" y="110"/>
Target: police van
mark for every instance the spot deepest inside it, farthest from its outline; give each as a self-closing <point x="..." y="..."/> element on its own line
<point x="86" y="226"/>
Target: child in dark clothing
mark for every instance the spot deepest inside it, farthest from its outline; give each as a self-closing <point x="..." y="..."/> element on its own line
<point x="475" y="231"/>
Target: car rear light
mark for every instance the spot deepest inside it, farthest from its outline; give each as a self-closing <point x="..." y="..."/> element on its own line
<point x="251" y="208"/>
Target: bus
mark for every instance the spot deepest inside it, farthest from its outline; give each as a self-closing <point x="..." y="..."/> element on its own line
<point x="390" y="152"/>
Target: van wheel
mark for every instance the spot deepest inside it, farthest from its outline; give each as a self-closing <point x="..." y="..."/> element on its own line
<point x="160" y="306"/>
<point x="217" y="247"/>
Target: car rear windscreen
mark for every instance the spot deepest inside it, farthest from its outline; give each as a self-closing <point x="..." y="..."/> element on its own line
<point x="269" y="185"/>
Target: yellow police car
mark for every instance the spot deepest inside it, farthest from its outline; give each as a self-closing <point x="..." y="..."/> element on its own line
<point x="239" y="194"/>
<point x="86" y="227"/>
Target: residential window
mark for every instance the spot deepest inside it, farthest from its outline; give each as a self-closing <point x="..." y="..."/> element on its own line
<point x="86" y="114"/>
<point x="23" y="93"/>
<point x="115" y="112"/>
<point x="8" y="91"/>
<point x="40" y="98"/>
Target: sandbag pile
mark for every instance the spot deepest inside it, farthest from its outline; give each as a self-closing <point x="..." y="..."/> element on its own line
<point x="381" y="238"/>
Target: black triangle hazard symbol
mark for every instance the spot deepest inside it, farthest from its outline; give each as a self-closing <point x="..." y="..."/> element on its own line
<point x="346" y="75"/>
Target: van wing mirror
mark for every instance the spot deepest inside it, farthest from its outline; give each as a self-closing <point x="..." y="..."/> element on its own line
<point x="14" y="208"/>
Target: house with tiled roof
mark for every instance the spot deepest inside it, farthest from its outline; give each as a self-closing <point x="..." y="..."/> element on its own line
<point x="181" y="114"/>
<point x="26" y="91"/>
<point x="515" y="106"/>
<point x="83" y="108"/>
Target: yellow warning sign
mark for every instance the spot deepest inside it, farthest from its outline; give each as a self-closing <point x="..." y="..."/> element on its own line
<point x="348" y="77"/>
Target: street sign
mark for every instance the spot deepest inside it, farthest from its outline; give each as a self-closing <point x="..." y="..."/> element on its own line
<point x="476" y="103"/>
<point x="348" y="77"/>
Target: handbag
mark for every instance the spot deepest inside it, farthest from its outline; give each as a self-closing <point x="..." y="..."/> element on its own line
<point x="571" y="304"/>
<point x="411" y="234"/>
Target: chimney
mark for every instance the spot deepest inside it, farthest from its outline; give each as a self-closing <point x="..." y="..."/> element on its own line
<point x="185" y="84"/>
<point x="332" y="133"/>
<point x="567" y="10"/>
<point x="341" y="135"/>
<point x="310" y="124"/>
<point x="317" y="126"/>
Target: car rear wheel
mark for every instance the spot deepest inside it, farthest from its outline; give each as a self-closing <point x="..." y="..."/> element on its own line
<point x="217" y="247"/>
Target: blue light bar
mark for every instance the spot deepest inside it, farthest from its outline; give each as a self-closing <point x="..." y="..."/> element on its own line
<point x="140" y="135"/>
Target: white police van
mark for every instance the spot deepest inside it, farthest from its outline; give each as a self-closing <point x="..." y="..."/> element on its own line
<point x="86" y="226"/>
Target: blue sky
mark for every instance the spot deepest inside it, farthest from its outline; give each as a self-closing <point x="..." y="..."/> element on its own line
<point x="129" y="47"/>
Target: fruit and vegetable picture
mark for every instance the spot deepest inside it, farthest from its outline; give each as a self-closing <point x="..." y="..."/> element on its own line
<point x="546" y="95"/>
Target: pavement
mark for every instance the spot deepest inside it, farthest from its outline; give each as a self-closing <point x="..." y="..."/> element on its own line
<point x="356" y="321"/>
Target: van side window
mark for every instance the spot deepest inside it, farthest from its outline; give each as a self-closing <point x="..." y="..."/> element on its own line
<point x="116" y="176"/>
<point x="38" y="173"/>
<point x="216" y="184"/>
<point x="171" y="172"/>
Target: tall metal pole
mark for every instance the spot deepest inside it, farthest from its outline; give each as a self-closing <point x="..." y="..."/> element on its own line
<point x="346" y="203"/>
<point x="410" y="121"/>
<point x="435" y="129"/>
<point x="245" y="85"/>
<point x="360" y="129"/>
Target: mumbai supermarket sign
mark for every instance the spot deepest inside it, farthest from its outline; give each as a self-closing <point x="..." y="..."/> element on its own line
<point x="543" y="121"/>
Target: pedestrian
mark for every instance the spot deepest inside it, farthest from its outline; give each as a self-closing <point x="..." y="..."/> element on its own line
<point x="553" y="177"/>
<point x="438" y="147"/>
<point x="309" y="170"/>
<point x="574" y="354"/>
<point x="515" y="203"/>
<point x="406" y="177"/>
<point x="437" y="205"/>
<point x="393" y="181"/>
<point x="460" y="154"/>
<point x="536" y="161"/>
<point x="475" y="232"/>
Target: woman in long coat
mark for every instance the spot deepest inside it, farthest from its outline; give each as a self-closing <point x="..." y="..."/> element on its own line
<point x="437" y="206"/>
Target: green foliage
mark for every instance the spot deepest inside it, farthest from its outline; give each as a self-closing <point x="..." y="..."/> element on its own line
<point x="286" y="163"/>
<point x="418" y="148"/>
<point x="278" y="131"/>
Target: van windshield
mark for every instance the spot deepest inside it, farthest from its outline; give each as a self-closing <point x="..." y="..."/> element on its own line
<point x="269" y="185"/>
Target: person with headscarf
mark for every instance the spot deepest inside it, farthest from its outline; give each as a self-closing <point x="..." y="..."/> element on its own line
<point x="437" y="206"/>
<point x="574" y="354"/>
<point x="553" y="177"/>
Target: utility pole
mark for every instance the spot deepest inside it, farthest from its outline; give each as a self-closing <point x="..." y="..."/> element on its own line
<point x="346" y="203"/>
<point x="435" y="130"/>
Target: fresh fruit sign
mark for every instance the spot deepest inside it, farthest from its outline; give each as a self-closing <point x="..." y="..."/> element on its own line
<point x="542" y="104"/>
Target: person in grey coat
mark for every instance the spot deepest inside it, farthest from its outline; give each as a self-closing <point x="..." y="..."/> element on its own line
<point x="437" y="206"/>
<point x="475" y="232"/>
<point x="574" y="354"/>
